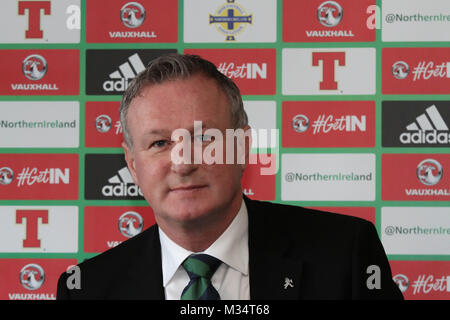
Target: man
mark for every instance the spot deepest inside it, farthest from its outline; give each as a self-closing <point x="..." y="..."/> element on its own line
<point x="210" y="241"/>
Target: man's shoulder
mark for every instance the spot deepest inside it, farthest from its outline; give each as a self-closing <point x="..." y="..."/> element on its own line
<point x="117" y="272"/>
<point x="128" y="250"/>
<point x="309" y="230"/>
<point x="335" y="250"/>
<point x="298" y="217"/>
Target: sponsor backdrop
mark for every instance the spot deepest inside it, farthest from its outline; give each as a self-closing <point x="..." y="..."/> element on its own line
<point x="349" y="99"/>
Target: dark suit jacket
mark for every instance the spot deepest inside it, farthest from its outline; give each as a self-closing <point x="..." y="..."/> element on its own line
<point x="325" y="255"/>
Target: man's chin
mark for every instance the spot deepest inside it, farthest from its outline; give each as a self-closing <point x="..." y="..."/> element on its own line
<point x="189" y="210"/>
<point x="189" y="216"/>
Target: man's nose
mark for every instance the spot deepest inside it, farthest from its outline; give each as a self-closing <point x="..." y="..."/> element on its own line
<point x="184" y="169"/>
<point x="185" y="160"/>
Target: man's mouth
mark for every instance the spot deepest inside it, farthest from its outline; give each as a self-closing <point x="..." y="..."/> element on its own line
<point x="188" y="188"/>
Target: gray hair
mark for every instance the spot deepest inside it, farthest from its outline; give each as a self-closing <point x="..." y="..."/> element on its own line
<point x="177" y="66"/>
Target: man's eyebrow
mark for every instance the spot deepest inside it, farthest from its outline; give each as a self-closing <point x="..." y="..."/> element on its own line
<point x="158" y="132"/>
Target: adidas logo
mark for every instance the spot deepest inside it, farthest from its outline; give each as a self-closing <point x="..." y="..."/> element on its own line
<point x="429" y="127"/>
<point x="122" y="176"/>
<point x="126" y="72"/>
<point x="121" y="185"/>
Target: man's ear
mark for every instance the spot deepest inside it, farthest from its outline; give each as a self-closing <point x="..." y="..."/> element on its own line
<point x="129" y="158"/>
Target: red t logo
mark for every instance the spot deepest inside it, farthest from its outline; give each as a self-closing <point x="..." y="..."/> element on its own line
<point x="328" y="58"/>
<point x="34" y="17"/>
<point x="31" y="221"/>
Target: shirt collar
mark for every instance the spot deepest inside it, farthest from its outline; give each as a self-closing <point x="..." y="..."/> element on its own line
<point x="231" y="248"/>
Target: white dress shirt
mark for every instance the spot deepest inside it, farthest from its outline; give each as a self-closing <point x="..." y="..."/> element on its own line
<point x="231" y="279"/>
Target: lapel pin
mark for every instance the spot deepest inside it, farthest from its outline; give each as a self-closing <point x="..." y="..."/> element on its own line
<point x="288" y="283"/>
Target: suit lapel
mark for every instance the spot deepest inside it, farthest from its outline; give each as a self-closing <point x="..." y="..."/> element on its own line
<point x="274" y="272"/>
<point x="146" y="273"/>
<point x="272" y="278"/>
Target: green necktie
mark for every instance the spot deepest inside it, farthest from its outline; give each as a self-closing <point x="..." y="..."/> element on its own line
<point x="200" y="268"/>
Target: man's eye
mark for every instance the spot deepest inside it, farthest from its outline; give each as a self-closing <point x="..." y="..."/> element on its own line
<point x="159" y="144"/>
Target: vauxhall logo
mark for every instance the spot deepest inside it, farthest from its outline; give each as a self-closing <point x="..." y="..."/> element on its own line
<point x="400" y="70"/>
<point x="300" y="123"/>
<point x="402" y="282"/>
<point x="429" y="172"/>
<point x="130" y="224"/>
<point x="126" y="71"/>
<point x="34" y="68"/>
<point x="32" y="276"/>
<point x="103" y="123"/>
<point x="429" y="127"/>
<point x="329" y="15"/>
<point x="132" y="14"/>
<point x="6" y="176"/>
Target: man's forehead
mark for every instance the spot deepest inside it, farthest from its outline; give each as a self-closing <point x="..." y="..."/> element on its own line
<point x="161" y="129"/>
<point x="181" y="115"/>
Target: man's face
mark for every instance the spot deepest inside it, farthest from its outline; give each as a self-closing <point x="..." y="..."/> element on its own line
<point x="180" y="193"/>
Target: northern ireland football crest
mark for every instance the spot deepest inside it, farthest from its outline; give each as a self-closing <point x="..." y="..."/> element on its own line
<point x="230" y="19"/>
